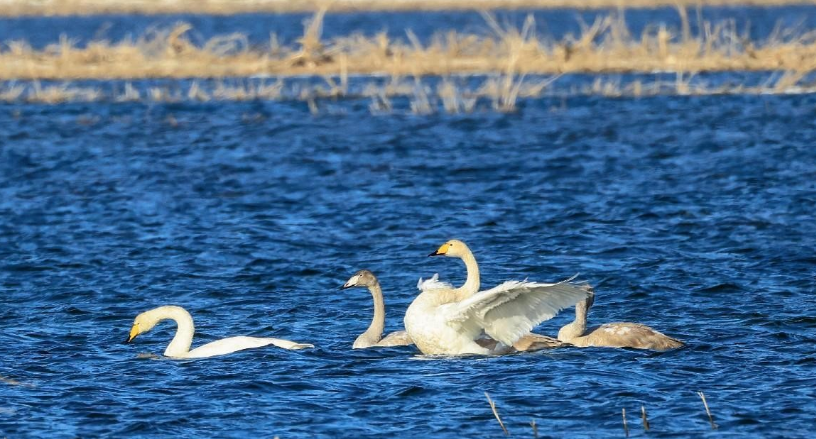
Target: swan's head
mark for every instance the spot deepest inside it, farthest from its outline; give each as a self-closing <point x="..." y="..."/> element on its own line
<point x="142" y="323"/>
<point x="453" y="248"/>
<point x="362" y="278"/>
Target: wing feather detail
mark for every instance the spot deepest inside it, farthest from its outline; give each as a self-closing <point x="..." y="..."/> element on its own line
<point x="512" y="309"/>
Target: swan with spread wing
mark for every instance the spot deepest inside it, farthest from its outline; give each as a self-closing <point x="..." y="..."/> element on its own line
<point x="450" y="321"/>
<point x="373" y="338"/>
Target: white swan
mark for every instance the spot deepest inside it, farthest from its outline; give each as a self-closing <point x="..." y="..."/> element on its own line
<point x="442" y="320"/>
<point x="179" y="347"/>
<point x="528" y="343"/>
<point x="618" y="335"/>
<point x="372" y="337"/>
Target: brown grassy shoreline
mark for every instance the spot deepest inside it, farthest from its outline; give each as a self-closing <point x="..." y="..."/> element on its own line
<point x="18" y="8"/>
<point x="603" y="47"/>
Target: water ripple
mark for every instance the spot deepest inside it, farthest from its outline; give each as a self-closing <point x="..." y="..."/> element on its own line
<point x="691" y="215"/>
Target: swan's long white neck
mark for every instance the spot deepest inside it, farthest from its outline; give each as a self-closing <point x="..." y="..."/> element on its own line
<point x="375" y="330"/>
<point x="472" y="283"/>
<point x="180" y="345"/>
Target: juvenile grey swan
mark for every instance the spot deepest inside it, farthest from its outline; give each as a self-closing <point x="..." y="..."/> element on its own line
<point x="372" y="337"/>
<point x="179" y="347"/>
<point x="450" y="321"/>
<point x="617" y="335"/>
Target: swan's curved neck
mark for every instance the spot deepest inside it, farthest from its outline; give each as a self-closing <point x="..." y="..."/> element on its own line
<point x="577" y="327"/>
<point x="180" y="345"/>
<point x="472" y="283"/>
<point x="375" y="330"/>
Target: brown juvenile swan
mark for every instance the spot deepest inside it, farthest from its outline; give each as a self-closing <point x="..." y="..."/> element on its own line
<point x="617" y="335"/>
<point x="373" y="335"/>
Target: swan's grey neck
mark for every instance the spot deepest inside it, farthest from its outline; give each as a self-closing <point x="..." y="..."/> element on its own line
<point x="577" y="327"/>
<point x="180" y="345"/>
<point x="375" y="330"/>
<point x="471" y="285"/>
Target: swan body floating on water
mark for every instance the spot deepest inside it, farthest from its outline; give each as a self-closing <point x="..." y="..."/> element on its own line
<point x="179" y="347"/>
<point x="617" y="335"/>
<point x="450" y="321"/>
<point x="372" y="337"/>
<point x="528" y="343"/>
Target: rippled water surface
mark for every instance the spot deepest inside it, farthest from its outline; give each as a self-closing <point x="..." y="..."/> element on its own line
<point x="758" y="23"/>
<point x="692" y="215"/>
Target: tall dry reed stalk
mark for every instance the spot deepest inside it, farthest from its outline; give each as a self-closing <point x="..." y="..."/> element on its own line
<point x="708" y="412"/>
<point x="606" y="45"/>
<point x="496" y="414"/>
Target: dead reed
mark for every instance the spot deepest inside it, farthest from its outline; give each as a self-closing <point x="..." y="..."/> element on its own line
<point x="9" y="381"/>
<point x="496" y="414"/>
<point x="449" y="94"/>
<point x="605" y="46"/>
<point x="644" y="418"/>
<point x="13" y="382"/>
<point x="625" y="427"/>
<point x="708" y="412"/>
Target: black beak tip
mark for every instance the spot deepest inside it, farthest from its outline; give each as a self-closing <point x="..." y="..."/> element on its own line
<point x="433" y="254"/>
<point x="345" y="287"/>
<point x="128" y="340"/>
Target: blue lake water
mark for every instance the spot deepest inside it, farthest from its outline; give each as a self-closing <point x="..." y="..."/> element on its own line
<point x="692" y="215"/>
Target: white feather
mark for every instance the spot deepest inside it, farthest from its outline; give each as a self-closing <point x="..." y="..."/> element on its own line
<point x="511" y="310"/>
<point x="433" y="284"/>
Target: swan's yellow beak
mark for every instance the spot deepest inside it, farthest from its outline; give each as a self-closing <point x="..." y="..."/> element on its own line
<point x="442" y="250"/>
<point x="134" y="331"/>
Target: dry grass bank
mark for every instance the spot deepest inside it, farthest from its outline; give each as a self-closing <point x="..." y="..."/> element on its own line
<point x="605" y="46"/>
<point x="15" y="8"/>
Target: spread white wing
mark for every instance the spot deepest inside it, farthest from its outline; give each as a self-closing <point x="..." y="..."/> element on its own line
<point x="433" y="284"/>
<point x="511" y="310"/>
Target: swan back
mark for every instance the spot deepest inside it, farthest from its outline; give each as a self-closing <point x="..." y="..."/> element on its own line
<point x="617" y="335"/>
<point x="628" y="335"/>
<point x="239" y="343"/>
<point x="396" y="338"/>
